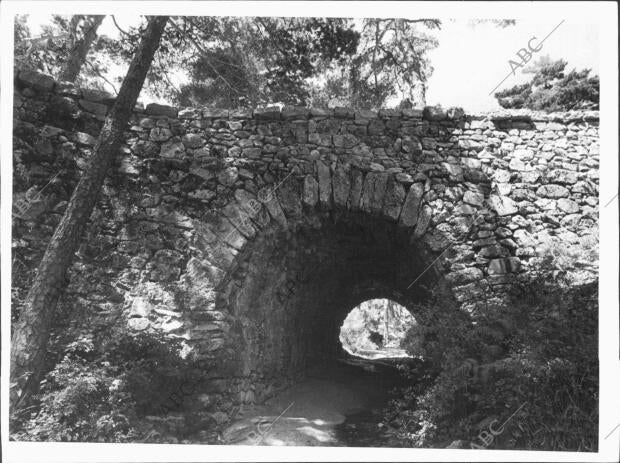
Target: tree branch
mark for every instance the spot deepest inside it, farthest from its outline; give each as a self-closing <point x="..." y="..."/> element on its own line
<point x="199" y="47"/>
<point x="98" y="73"/>
<point x="165" y="74"/>
<point x="119" y="28"/>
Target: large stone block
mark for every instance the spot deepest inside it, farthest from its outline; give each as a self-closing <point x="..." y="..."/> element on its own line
<point x="37" y="80"/>
<point x="355" y="194"/>
<point x="552" y="191"/>
<point x="172" y="150"/>
<point x="310" y="195"/>
<point x="240" y="219"/>
<point x="96" y="108"/>
<point x="154" y="109"/>
<point x="63" y="106"/>
<point x="494" y="250"/>
<point x="503" y="205"/>
<point x="84" y="139"/>
<point x="411" y="208"/>
<point x="341" y="185"/>
<point x="289" y="194"/>
<point x="424" y="219"/>
<point x="475" y="199"/>
<point x="393" y="201"/>
<point x="466" y="275"/>
<point x="295" y="112"/>
<point x="193" y="140"/>
<point x="275" y="211"/>
<point x="215" y="113"/>
<point x="228" y="176"/>
<point x="325" y="183"/>
<point x="567" y="205"/>
<point x="160" y="134"/>
<point x="98" y="96"/>
<point x="562" y="176"/>
<point x="504" y="265"/>
<point x="364" y="114"/>
<point x="271" y="113"/>
<point x="434" y="113"/>
<point x="376" y="127"/>
<point x="373" y="192"/>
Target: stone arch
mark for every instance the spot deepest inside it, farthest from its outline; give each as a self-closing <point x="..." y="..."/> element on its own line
<point x="280" y="269"/>
<point x="171" y="220"/>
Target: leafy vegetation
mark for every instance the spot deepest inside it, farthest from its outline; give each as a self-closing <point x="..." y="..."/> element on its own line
<point x="536" y="356"/>
<point x="553" y="89"/>
<point x="103" y="389"/>
<point x="245" y="61"/>
<point x="376" y="325"/>
<point x="529" y="363"/>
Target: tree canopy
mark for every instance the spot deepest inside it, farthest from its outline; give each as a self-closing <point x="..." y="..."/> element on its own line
<point x="553" y="89"/>
<point x="249" y="61"/>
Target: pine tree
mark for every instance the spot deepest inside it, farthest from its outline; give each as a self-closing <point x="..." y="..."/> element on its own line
<point x="32" y="330"/>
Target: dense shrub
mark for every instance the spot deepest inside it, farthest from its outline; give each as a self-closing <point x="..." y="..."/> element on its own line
<point x="100" y="391"/>
<point x="535" y="354"/>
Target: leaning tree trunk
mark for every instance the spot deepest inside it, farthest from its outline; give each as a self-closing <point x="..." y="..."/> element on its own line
<point x="83" y="36"/>
<point x="32" y="330"/>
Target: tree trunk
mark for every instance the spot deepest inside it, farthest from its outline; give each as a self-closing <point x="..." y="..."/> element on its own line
<point x="32" y="330"/>
<point x="84" y="34"/>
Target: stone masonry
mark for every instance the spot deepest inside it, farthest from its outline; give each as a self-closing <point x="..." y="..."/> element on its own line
<point x="250" y="234"/>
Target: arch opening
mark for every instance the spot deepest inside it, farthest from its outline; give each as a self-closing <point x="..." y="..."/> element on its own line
<point x="293" y="289"/>
<point x="377" y="329"/>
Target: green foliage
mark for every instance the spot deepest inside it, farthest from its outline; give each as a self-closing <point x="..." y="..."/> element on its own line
<point x="100" y="391"/>
<point x="390" y="64"/>
<point x="240" y="62"/>
<point x="535" y="354"/>
<point x="80" y="400"/>
<point x="46" y="53"/>
<point x="552" y="89"/>
<point x="392" y="59"/>
<point x="375" y="325"/>
<point x="51" y="50"/>
<point x="252" y="61"/>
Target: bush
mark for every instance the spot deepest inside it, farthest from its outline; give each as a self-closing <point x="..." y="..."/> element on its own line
<point x="101" y="391"/>
<point x="80" y="400"/>
<point x="536" y="355"/>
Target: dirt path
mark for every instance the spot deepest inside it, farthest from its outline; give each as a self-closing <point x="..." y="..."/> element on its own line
<point x="316" y="410"/>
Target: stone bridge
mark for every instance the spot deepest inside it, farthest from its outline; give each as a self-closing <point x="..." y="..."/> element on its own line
<point x="251" y="234"/>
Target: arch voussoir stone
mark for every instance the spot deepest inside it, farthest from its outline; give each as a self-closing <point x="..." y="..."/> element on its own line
<point x="258" y="228"/>
<point x="357" y="185"/>
<point x="325" y="184"/>
<point x="290" y="197"/>
<point x="310" y="194"/>
<point x="275" y="210"/>
<point x="394" y="198"/>
<point x="373" y="192"/>
<point x="341" y="184"/>
<point x="411" y="208"/>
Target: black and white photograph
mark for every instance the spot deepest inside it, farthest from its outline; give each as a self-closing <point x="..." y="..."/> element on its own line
<point x="380" y="231"/>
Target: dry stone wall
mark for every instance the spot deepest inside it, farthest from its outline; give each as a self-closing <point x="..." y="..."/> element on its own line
<point x="250" y="234"/>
